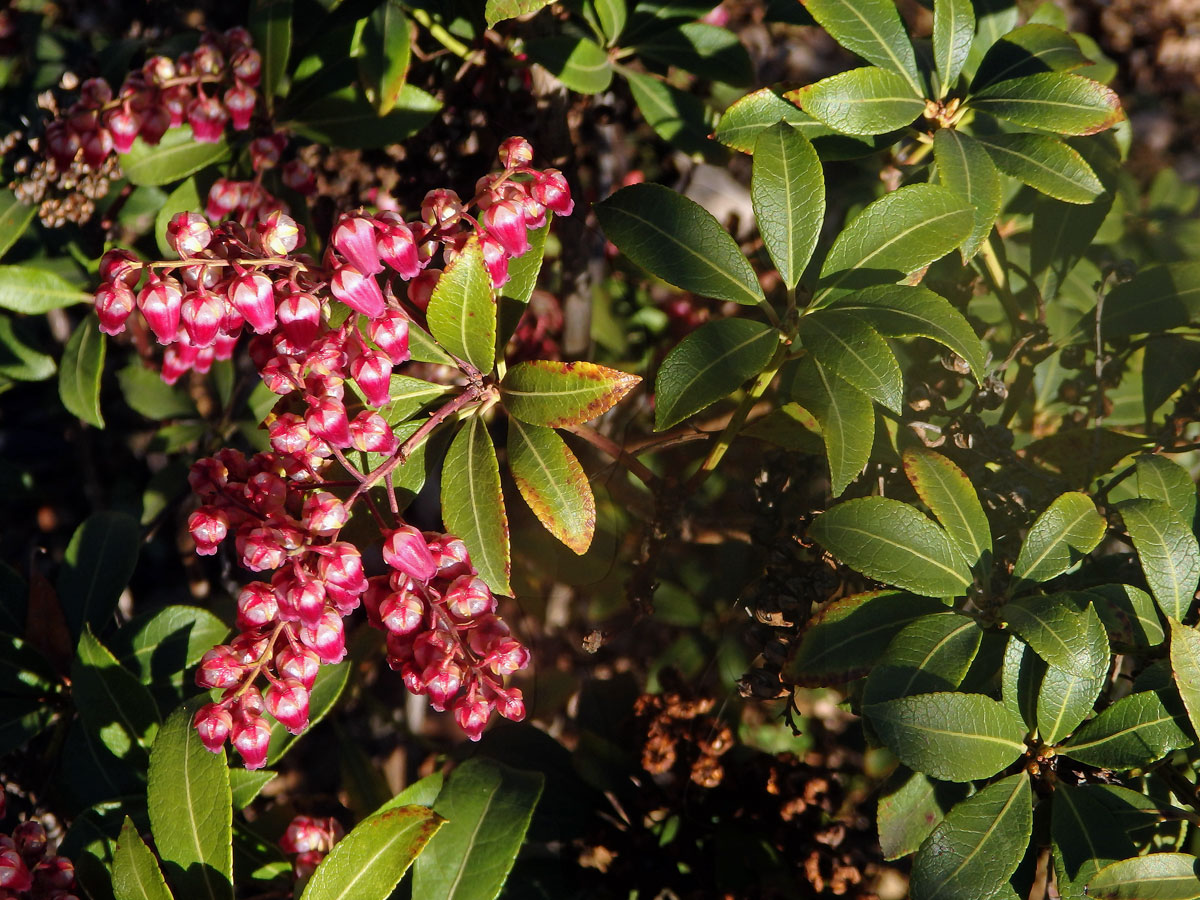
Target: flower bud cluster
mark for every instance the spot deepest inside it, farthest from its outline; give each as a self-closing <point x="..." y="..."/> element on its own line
<point x="310" y="839"/>
<point x="28" y="870"/>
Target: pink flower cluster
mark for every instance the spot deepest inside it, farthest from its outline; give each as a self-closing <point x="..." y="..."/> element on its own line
<point x="310" y="839"/>
<point x="28" y="871"/>
<point x="207" y="88"/>
<point x="247" y="202"/>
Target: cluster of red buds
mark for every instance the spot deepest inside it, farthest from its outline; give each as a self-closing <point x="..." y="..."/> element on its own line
<point x="310" y="839"/>
<point x="247" y="202"/>
<point x="28" y="871"/>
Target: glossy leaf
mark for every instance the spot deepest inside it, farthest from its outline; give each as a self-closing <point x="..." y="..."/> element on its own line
<point x="1062" y="628"/>
<point x="1029" y="50"/>
<point x="146" y="393"/>
<point x="407" y="396"/>
<point x="473" y="504"/>
<point x="80" y="370"/>
<point x="679" y="117"/>
<point x="25" y="289"/>
<point x="580" y="64"/>
<point x="948" y="735"/>
<point x="498" y="10"/>
<point x="19" y="361"/>
<point x="848" y="636"/>
<point x="864" y="101"/>
<point x="1161" y="478"/>
<point x="1156" y="299"/>
<point x="1046" y="164"/>
<point x="1021" y="673"/>
<point x="24" y="671"/>
<point x="135" y="872"/>
<point x="523" y="270"/>
<point x="787" y="190"/>
<point x="1068" y="530"/>
<point x="387" y="50"/>
<point x="709" y="364"/>
<point x="369" y="862"/>
<point x="1135" y="731"/>
<point x="176" y="156"/>
<point x="950" y="496"/>
<point x="843" y="344"/>
<point x="679" y="241"/>
<point x="953" y="32"/>
<point x="892" y="542"/>
<point x="99" y="562"/>
<point x="191" y="810"/>
<point x="846" y="417"/>
<point x="965" y="168"/>
<point x="246" y="784"/>
<point x="347" y="119"/>
<point x="1156" y="876"/>
<point x="706" y="50"/>
<point x="1129" y="614"/>
<point x="553" y="483"/>
<point x="487" y="807"/>
<point x="158" y="646"/>
<point x="1085" y="838"/>
<point x="1053" y="101"/>
<point x="931" y="654"/>
<point x="462" y="310"/>
<point x="559" y="394"/>
<point x="873" y="30"/>
<point x="14" y="219"/>
<point x="747" y="118"/>
<point x="331" y="681"/>
<point x="978" y="846"/>
<point x="900" y="233"/>
<point x="1168" y="551"/>
<point x="112" y="703"/>
<point x="270" y="23"/>
<point x="910" y="806"/>
<point x="897" y="310"/>
<point x="1185" y="665"/>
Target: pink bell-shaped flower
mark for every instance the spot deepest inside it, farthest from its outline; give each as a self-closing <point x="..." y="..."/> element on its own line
<point x="358" y="291"/>
<point x="253" y="296"/>
<point x="354" y="238"/>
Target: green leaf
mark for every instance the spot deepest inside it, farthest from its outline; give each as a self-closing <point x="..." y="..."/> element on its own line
<point x="845" y="345"/>
<point x="580" y="64"/>
<point x="1156" y="876"/>
<point x="347" y="119"/>
<point x="864" y="101"/>
<point x="873" y="30"/>
<point x="331" y="681"/>
<point x="679" y="117"/>
<point x="1085" y="838"/>
<point x="897" y="310"/>
<point x="1068" y="530"/>
<point x="1021" y="674"/>
<point x="553" y="483"/>
<point x="950" y="496"/>
<point x="246" y="784"/>
<point x="523" y="270"/>
<point x="1185" y="664"/>
<point x="14" y="219"/>
<point x="1169" y="553"/>
<point x="848" y="636"/>
<point x="978" y="846"/>
<point x="900" y="233"/>
<point x="1134" y="732"/>
<point x="1029" y="50"/>
<point x="560" y="394"/>
<point x="462" y="310"/>
<point x="1063" y="630"/>
<point x="135" y="872"/>
<point x="1169" y="363"/>
<point x="498" y="10"/>
<point x="1156" y="299"/>
<point x="191" y="810"/>
<point x="158" y="646"/>
<point x="892" y="542"/>
<point x="910" y="806"/>
<point x="705" y="50"/>
<point x="747" y="118"/>
<point x="473" y="504"/>
<point x="99" y="563"/>
<point x="176" y="156"/>
<point x="1052" y="101"/>
<point x="24" y="289"/>
<point x="1161" y="478"/>
<point x="709" y="364"/>
<point x="949" y="736"/>
<point x="965" y="168"/>
<point x="387" y="49"/>
<point x="1129" y="614"/>
<point x="1046" y="164"/>
<point x="21" y="720"/>
<point x="270" y="23"/>
<point x="487" y="807"/>
<point x="1065" y="698"/>
<point x="18" y="360"/>
<point x="930" y="654"/>
<point x="185" y="198"/>
<point x="408" y="396"/>
<point x="111" y="702"/>
<point x="787" y="190"/>
<point x="369" y="862"/>
<point x="953" y="32"/>
<point x="24" y="671"/>
<point x="679" y="241"/>
<point x="845" y="415"/>
<point x="146" y="393"/>
<point x="80" y="371"/>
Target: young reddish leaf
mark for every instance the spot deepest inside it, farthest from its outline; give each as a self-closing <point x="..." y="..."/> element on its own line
<point x="553" y="483"/>
<point x="864" y="101"/>
<point x="473" y="503"/>
<point x="462" y="310"/>
<point x="559" y="394"/>
<point x="1053" y="101"/>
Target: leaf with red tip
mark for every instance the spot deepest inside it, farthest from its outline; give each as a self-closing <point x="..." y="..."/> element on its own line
<point x="553" y="483"/>
<point x="559" y="394"/>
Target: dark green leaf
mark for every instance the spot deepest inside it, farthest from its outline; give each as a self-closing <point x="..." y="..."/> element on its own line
<point x="1066" y="696"/>
<point x="369" y="862"/>
<point x="1029" y="50"/>
<point x="176" y="156"/>
<point x="1046" y="164"/>
<point x="191" y="810"/>
<point x="473" y="504"/>
<point x="79" y="373"/>
<point x="112" y="703"/>
<point x="1156" y="876"/>
<point x="864" y="101"/>
<point x="24" y="289"/>
<point x="1129" y="614"/>
<point x="346" y="118"/>
<point x="146" y="393"/>
<point x="978" y="846"/>
<point x="135" y="871"/>
<point x="559" y="394"/>
<point x="1052" y="101"/>
<point x="709" y="364"/>
<point x="580" y="64"/>
<point x="246" y="784"/>
<point x="930" y="654"/>
<point x="462" y="310"/>
<point x="99" y="562"/>
<point x="1169" y="553"/>
<point x="387" y="49"/>
<point x="910" y="807"/>
<point x="1161" y="478"/>
<point x="270" y="24"/>
<point x="1063" y="630"/>
<point x="965" y="168"/>
<point x="331" y="681"/>
<point x="746" y="119"/>
<point x="553" y="483"/>
<point x="1021" y="675"/>
<point x="18" y="360"/>
<point x="953" y="32"/>
<point x="787" y="190"/>
<point x="1156" y="299"/>
<point x="21" y="720"/>
<point x="949" y="736"/>
<point x="892" y="542"/>
<point x="677" y="116"/>
<point x="1169" y="363"/>
<point x="1185" y="664"/>
<point x="14" y="219"/>
<point x="1084" y="837"/>
<point x="498" y="10"/>
<point x="873" y="30"/>
<point x="487" y="807"/>
<point x="23" y="670"/>
<point x="950" y="496"/>
<point x="158" y="646"/>
<point x="1134" y="732"/>
<point x="408" y="396"/>
<point x="851" y="349"/>
<point x="705" y="50"/>
<point x="845" y="415"/>
<point x="1068" y="530"/>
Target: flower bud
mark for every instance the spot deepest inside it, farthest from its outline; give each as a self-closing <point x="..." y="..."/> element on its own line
<point x="265" y="151"/>
<point x="253" y="296"/>
<point x="442" y="681"/>
<point x="401" y="612"/>
<point x="471" y="712"/>
<point x="201" y="314"/>
<point x="299" y="176"/>
<point x="390" y="333"/>
<point x="495" y="259"/>
<point x="324" y="513"/>
<point x="261" y="549"/>
<point x="398" y="248"/>
<point x="516" y="152"/>
<point x="114" y="303"/>
<point x="326" y="419"/>
<point x="208" y="526"/>
<point x="97" y="145"/>
<point x="256" y="606"/>
<point x="188" y="234"/>
<point x="507" y="656"/>
<point x="406" y="550"/>
<point x="340" y="567"/>
<point x="371" y="433"/>
<point x="510" y="704"/>
<point x="123" y="124"/>
<point x="440" y="208"/>
<point x="252" y="737"/>
<point x="505" y="221"/>
<point x="219" y="668"/>
<point x="300" y="317"/>
<point x="14" y="874"/>
<point x="247" y="66"/>
<point x="213" y="722"/>
<point x="354" y="239"/>
<point x="451" y="556"/>
<point x="468" y="596"/>
<point x="161" y="302"/>
<point x="279" y="233"/>
<point x="287" y="701"/>
<point x="372" y="372"/>
<point x="223" y="198"/>
<point x="30" y="839"/>
<point x="420" y="289"/>
<point x="207" y="117"/>
<point x="240" y="100"/>
<point x="155" y="122"/>
<point x="358" y="291"/>
<point x="550" y="189"/>
<point x="327" y="638"/>
<point x="299" y="663"/>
